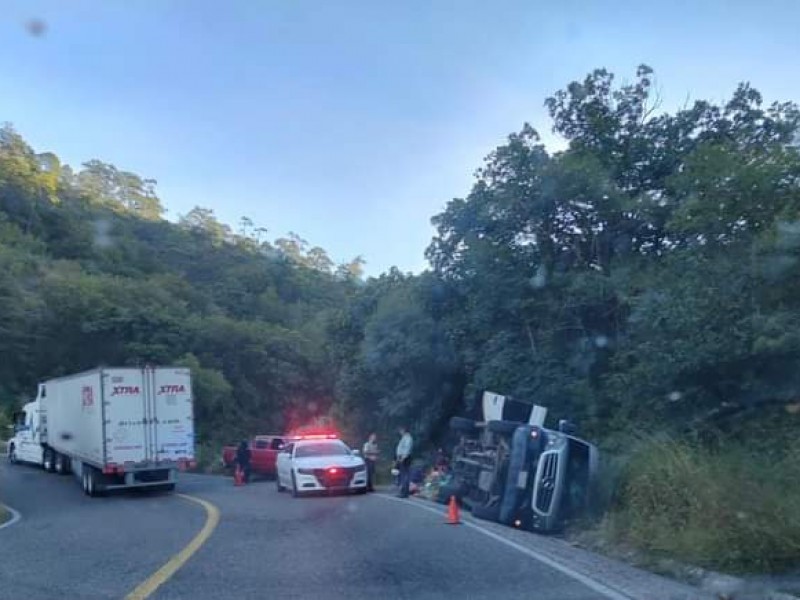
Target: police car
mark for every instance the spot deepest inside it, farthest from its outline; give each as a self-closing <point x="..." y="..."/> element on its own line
<point x="319" y="463"/>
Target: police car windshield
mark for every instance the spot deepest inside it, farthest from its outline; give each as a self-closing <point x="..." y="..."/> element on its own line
<point x="321" y="449"/>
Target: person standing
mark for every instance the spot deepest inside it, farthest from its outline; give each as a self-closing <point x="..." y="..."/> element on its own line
<point x="243" y="455"/>
<point x="403" y="455"/>
<point x="370" y="452"/>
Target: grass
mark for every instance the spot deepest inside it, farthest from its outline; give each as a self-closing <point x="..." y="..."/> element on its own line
<point x="728" y="508"/>
<point x="209" y="458"/>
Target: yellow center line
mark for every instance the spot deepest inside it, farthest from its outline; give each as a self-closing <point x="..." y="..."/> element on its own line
<point x="152" y="583"/>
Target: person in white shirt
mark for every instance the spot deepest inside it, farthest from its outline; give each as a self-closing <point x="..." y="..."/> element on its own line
<point x="370" y="453"/>
<point x="403" y="455"/>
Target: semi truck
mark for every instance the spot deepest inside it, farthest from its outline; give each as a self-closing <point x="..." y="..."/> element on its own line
<point x="508" y="467"/>
<point x="112" y="428"/>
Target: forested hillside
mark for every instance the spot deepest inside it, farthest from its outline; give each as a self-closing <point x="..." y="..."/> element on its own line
<point x="646" y="274"/>
<point x="643" y="281"/>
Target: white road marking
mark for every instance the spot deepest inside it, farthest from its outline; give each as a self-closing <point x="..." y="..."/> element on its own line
<point x="15" y="516"/>
<point x="596" y="586"/>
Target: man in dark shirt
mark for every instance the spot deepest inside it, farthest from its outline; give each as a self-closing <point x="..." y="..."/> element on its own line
<point x="243" y="460"/>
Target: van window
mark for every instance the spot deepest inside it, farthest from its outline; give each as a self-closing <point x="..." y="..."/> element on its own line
<point x="276" y="443"/>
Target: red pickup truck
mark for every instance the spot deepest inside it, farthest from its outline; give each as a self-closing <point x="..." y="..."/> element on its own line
<point x="263" y="452"/>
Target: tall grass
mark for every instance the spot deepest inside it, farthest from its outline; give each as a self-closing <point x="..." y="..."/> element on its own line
<point x="726" y="508"/>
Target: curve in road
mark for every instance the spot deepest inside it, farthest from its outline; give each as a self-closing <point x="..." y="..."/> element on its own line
<point x="151" y="584"/>
<point x="71" y="546"/>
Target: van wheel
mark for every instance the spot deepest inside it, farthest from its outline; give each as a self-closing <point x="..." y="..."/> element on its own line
<point x="462" y="425"/>
<point x="503" y="427"/>
<point x="47" y="461"/>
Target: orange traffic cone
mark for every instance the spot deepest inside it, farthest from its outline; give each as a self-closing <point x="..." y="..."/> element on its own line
<point x="238" y="477"/>
<point x="453" y="512"/>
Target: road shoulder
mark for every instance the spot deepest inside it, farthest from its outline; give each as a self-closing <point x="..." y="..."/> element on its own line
<point x="615" y="575"/>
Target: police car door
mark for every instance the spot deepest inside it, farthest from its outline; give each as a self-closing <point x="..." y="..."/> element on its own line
<point x="284" y="462"/>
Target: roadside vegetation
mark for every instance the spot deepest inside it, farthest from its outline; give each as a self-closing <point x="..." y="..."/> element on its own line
<point x="724" y="506"/>
<point x="642" y="282"/>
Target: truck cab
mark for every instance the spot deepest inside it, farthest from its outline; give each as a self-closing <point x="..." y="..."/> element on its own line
<point x="29" y="434"/>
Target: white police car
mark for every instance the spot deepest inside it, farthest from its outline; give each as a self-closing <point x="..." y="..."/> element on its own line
<point x="319" y="463"/>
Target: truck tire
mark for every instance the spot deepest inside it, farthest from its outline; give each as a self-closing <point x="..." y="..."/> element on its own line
<point x="516" y="464"/>
<point x="487" y="513"/>
<point x="462" y="425"/>
<point x="503" y="427"/>
<point x="62" y="464"/>
<point x="48" y="460"/>
<point x="92" y="488"/>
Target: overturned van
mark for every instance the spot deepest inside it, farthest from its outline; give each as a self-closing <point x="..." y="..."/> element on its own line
<point x="511" y="469"/>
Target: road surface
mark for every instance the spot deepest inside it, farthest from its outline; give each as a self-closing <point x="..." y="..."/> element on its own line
<point x="266" y="545"/>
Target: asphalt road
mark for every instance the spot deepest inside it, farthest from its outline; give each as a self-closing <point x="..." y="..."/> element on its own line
<point x="266" y="545"/>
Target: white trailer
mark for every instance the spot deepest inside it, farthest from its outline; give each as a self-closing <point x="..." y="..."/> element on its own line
<point x="111" y="427"/>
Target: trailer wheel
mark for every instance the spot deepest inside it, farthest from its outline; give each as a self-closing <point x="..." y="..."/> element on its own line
<point x="48" y="462"/>
<point x="92" y="487"/>
<point x="462" y="425"/>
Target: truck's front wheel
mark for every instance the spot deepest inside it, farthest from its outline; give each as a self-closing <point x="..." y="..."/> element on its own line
<point x="48" y="462"/>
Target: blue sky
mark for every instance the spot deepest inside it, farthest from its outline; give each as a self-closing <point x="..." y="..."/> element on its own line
<point x="350" y="123"/>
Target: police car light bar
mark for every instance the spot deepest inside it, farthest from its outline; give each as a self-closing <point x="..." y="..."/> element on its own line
<point x="321" y="436"/>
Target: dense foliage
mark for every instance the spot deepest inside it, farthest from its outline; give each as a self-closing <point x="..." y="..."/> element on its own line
<point x="646" y="274"/>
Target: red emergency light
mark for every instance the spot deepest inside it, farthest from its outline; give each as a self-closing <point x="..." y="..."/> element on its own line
<point x="316" y="436"/>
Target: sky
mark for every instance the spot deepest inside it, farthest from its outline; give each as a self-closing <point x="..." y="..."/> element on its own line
<point x="351" y="123"/>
